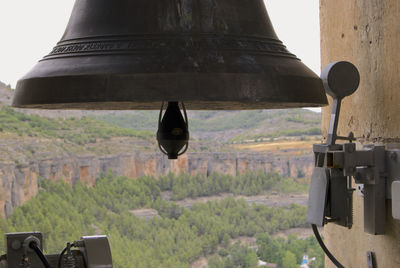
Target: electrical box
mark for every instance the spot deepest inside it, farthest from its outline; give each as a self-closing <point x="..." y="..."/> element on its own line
<point x="396" y="200"/>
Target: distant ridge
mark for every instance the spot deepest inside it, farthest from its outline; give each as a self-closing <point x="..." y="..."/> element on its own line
<point x="215" y="126"/>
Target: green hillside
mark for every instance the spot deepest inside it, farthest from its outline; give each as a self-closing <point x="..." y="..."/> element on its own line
<point x="234" y="125"/>
<point x="41" y="136"/>
<point x="216" y="127"/>
<point x="79" y="131"/>
<point x="176" y="238"/>
<point x="26" y="136"/>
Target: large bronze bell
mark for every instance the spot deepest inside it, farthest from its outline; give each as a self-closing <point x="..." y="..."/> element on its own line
<point x="135" y="54"/>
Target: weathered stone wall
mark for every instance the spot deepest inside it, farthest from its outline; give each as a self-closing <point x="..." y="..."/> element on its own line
<point x="19" y="183"/>
<point x="367" y="33"/>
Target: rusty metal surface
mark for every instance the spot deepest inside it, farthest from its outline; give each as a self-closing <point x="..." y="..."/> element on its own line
<point x="134" y="54"/>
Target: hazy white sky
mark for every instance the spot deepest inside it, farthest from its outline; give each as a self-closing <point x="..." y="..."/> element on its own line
<point x="29" y="29"/>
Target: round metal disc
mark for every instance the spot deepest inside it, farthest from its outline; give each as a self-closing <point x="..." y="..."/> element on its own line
<point x="341" y="79"/>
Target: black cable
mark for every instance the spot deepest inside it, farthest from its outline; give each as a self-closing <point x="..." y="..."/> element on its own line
<point x="40" y="254"/>
<point x="324" y="248"/>
<point x="61" y="255"/>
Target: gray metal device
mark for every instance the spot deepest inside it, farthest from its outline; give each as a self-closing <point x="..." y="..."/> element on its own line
<point x="97" y="251"/>
<point x="318" y="196"/>
<point x="330" y="194"/>
<point x="396" y="200"/>
<point x="92" y="252"/>
<point x="376" y="168"/>
<point x="18" y="254"/>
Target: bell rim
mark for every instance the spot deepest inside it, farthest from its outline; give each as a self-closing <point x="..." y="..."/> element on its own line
<point x="197" y="91"/>
<point x="152" y="106"/>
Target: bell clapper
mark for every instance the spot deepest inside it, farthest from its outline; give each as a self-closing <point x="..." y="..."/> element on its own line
<point x="173" y="130"/>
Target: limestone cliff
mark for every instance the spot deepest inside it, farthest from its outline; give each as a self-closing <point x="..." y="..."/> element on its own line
<point x="18" y="183"/>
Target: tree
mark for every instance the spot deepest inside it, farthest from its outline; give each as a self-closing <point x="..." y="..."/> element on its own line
<point x="215" y="262"/>
<point x="226" y="240"/>
<point x="242" y="256"/>
<point x="3" y="229"/>
<point x="289" y="260"/>
<point x="269" y="249"/>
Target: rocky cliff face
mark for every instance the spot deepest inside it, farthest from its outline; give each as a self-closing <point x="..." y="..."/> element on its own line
<point x="18" y="183"/>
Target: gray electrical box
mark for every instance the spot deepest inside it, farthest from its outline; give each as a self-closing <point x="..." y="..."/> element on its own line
<point x="318" y="196"/>
<point x="97" y="251"/>
<point x="396" y="200"/>
<point x="15" y="249"/>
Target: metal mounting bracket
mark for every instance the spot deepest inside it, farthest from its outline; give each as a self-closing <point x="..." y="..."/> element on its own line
<point x="375" y="169"/>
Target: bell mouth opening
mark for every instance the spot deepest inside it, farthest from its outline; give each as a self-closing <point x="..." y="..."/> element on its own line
<point x="191" y="105"/>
